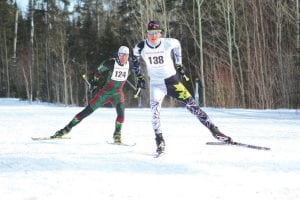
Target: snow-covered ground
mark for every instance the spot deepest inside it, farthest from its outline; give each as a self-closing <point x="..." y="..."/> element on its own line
<point x="86" y="167"/>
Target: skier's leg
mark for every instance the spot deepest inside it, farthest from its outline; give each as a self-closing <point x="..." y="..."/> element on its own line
<point x="119" y="122"/>
<point x="204" y="119"/>
<point x="118" y="99"/>
<point x="157" y="94"/>
<point x="177" y="90"/>
<point x="80" y="116"/>
<point x="156" y="98"/>
<point x="100" y="99"/>
<point x="192" y="106"/>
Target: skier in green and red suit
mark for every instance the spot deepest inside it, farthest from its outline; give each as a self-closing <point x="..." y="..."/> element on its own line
<point x="110" y="78"/>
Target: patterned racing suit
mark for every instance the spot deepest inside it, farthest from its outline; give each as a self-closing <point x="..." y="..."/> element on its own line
<point x="110" y="78"/>
<point x="163" y="78"/>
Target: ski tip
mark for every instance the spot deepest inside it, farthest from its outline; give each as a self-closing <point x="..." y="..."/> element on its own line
<point x="233" y="143"/>
<point x="216" y="143"/>
<point x="40" y="138"/>
<point x="266" y="148"/>
<point x="49" y="138"/>
<point x="121" y="144"/>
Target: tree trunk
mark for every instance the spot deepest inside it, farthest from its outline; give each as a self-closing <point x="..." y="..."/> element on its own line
<point x="199" y="3"/>
<point x="297" y="67"/>
<point x="30" y="97"/>
<point x="298" y="36"/>
<point x="241" y="77"/>
<point x="86" y="94"/>
<point x="47" y="53"/>
<point x="26" y="81"/>
<point x="7" y="65"/>
<point x="14" y="58"/>
<point x="228" y="17"/>
<point x="66" y="94"/>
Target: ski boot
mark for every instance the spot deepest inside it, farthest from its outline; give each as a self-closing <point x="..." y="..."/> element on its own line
<point x="160" y="143"/>
<point x="61" y="132"/>
<point x="117" y="138"/>
<point x="218" y="135"/>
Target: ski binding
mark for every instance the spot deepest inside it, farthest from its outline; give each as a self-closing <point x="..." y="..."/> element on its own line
<point x="159" y="154"/>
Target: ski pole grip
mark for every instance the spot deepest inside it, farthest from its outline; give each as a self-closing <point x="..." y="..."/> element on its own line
<point x="87" y="82"/>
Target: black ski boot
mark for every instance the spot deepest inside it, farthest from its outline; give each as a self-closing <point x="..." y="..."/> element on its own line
<point x="61" y="132"/>
<point x="219" y="135"/>
<point x="160" y="143"/>
<point x="117" y="137"/>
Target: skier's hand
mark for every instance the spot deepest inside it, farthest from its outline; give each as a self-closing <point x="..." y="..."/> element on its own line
<point x="180" y="69"/>
<point x="141" y="83"/>
<point x="93" y="84"/>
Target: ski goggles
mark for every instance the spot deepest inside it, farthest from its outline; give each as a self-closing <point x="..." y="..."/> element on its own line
<point x="123" y="54"/>
<point x="153" y="32"/>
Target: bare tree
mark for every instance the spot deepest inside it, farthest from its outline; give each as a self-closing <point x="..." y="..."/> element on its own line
<point x="226" y="9"/>
<point x="297" y="76"/>
<point x="238" y="55"/>
<point x="6" y="60"/>
<point x="242" y="51"/>
<point x="31" y="50"/>
<point x="14" y="57"/>
<point x="298" y="29"/>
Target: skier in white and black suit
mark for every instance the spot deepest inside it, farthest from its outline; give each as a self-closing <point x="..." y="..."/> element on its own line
<point x="158" y="53"/>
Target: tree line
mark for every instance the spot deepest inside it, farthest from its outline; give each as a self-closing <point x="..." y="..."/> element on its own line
<point x="243" y="53"/>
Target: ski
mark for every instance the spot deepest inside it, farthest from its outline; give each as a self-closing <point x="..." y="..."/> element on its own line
<point x="158" y="155"/>
<point x="49" y="138"/>
<point x="233" y="143"/>
<point x="121" y="144"/>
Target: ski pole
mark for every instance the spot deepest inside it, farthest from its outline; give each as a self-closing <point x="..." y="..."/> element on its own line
<point x="137" y="93"/>
<point x="130" y="84"/>
<point x="87" y="82"/>
<point x="186" y="78"/>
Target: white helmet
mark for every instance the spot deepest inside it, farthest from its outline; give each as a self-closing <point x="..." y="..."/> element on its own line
<point x="123" y="50"/>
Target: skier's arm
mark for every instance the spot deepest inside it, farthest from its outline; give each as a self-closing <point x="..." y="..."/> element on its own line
<point x="99" y="77"/>
<point x="136" y="58"/>
<point x="136" y="65"/>
<point x="176" y="51"/>
<point x="178" y="59"/>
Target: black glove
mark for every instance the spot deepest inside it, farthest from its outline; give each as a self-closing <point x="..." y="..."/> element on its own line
<point x="180" y="69"/>
<point x="93" y="84"/>
<point x="141" y="82"/>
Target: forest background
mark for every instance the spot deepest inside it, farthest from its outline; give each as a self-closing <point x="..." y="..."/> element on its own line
<point x="242" y="53"/>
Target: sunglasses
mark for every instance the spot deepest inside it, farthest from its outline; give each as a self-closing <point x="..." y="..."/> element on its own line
<point x="153" y="32"/>
<point x="123" y="54"/>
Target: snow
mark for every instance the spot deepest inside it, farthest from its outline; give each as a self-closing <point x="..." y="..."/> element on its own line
<point x="86" y="167"/>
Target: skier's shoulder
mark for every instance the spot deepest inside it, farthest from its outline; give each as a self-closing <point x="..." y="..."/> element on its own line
<point x="138" y="48"/>
<point x="172" y="41"/>
<point x="140" y="45"/>
<point x="109" y="62"/>
<point x="106" y="65"/>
